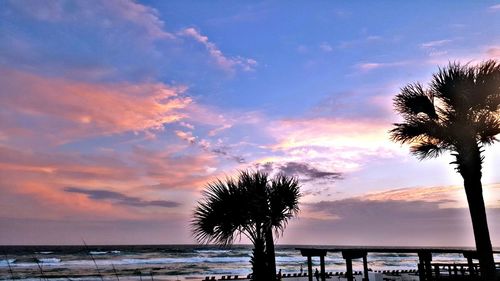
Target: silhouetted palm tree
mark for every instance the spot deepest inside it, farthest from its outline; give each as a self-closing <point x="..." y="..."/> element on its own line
<point x="459" y="112"/>
<point x="253" y="206"/>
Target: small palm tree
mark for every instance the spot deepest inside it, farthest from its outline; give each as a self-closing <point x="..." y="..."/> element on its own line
<point x="459" y="112"/>
<point x="251" y="205"/>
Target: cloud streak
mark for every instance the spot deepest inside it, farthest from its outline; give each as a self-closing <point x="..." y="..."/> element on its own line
<point x="434" y="44"/>
<point x="227" y="63"/>
<point x="304" y="171"/>
<point x="119" y="198"/>
<point x="369" y="66"/>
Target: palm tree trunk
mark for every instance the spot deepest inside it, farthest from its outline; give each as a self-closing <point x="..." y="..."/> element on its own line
<point x="470" y="169"/>
<point x="271" y="256"/>
<point x="477" y="210"/>
<point x="258" y="261"/>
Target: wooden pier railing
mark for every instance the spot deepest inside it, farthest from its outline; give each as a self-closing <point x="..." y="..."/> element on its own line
<point x="427" y="271"/>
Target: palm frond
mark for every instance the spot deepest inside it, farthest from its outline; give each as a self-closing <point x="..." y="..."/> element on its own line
<point x="414" y="100"/>
<point x="219" y="215"/>
<point x="284" y="198"/>
<point x="416" y="129"/>
<point x="487" y="126"/>
<point x="426" y="149"/>
<point x="453" y="85"/>
<point x="486" y="93"/>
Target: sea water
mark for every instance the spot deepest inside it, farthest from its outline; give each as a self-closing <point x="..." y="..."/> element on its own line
<point x="173" y="262"/>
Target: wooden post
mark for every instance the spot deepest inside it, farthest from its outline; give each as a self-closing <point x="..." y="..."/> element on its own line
<point x="428" y="267"/>
<point x="365" y="268"/>
<point x="471" y="266"/>
<point x="421" y="269"/>
<point x="424" y="266"/>
<point x="309" y="268"/>
<point x="322" y="267"/>
<point x="436" y="270"/>
<point x="348" y="263"/>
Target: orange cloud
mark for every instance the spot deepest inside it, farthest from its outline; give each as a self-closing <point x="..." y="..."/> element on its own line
<point x="35" y="184"/>
<point x="68" y="110"/>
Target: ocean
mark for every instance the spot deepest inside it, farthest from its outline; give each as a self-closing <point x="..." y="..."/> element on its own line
<point x="171" y="262"/>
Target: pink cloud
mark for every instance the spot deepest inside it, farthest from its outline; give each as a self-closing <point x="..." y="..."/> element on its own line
<point x="336" y="144"/>
<point x="330" y="132"/>
<point x="493" y="52"/>
<point x="226" y="63"/>
<point x="169" y="171"/>
<point x="41" y="180"/>
<point x="72" y="110"/>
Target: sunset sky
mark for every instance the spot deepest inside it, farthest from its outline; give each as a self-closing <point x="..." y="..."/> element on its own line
<point x="115" y="114"/>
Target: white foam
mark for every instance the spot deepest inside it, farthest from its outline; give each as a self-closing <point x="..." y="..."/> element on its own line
<point x="185" y="260"/>
<point x="96" y="253"/>
<point x="212" y="251"/>
<point x="49" y="260"/>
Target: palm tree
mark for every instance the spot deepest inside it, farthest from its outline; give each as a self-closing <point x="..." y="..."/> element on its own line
<point x="283" y="200"/>
<point x="251" y="205"/>
<point x="459" y="112"/>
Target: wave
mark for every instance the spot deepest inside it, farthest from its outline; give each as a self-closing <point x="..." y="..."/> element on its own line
<point x="289" y="259"/>
<point x="97" y="253"/>
<point x="44" y="253"/>
<point x="7" y="262"/>
<point x="186" y="260"/>
<point x="49" y="260"/>
<point x="212" y="251"/>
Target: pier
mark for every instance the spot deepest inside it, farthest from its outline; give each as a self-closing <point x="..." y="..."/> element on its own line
<point x="426" y="270"/>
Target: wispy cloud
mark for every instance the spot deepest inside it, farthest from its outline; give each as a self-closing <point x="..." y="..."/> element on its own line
<point x="226" y="63"/>
<point x="119" y="198"/>
<point x="325" y="47"/>
<point x="206" y="145"/>
<point x="433" y="44"/>
<point x="369" y="66"/>
<point x="495" y="7"/>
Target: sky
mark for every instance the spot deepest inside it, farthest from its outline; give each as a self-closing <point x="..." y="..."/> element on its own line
<point x="114" y="115"/>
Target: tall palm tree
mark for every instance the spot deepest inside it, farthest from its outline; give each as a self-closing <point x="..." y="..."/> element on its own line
<point x="252" y="205"/>
<point x="459" y="112"/>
